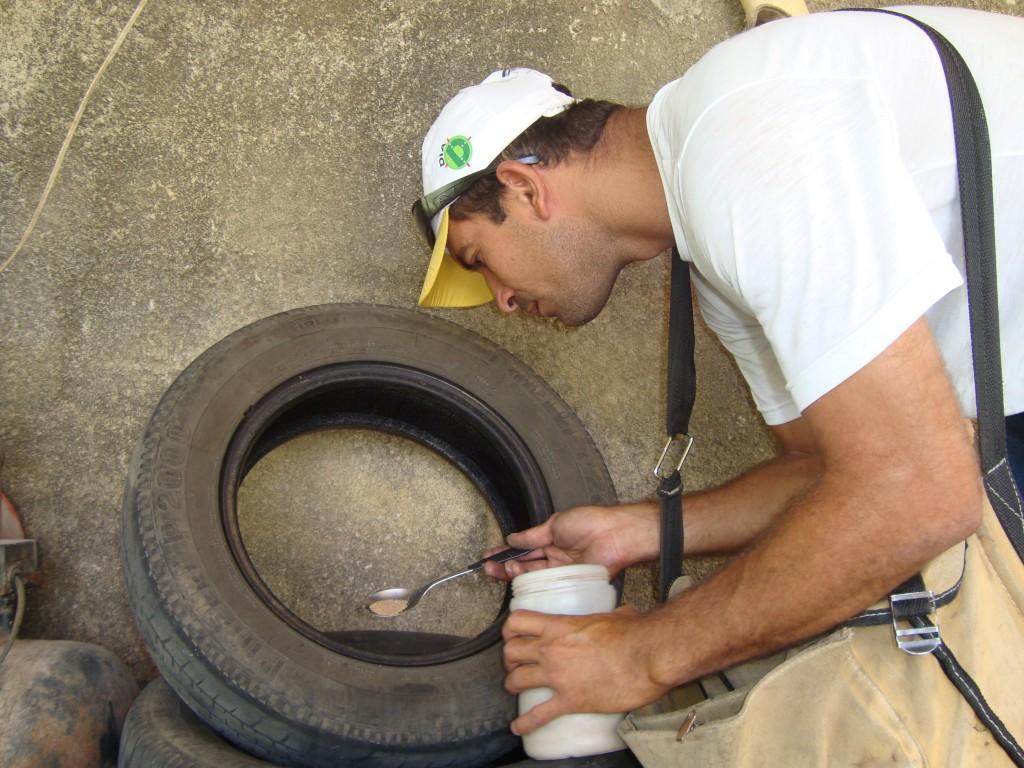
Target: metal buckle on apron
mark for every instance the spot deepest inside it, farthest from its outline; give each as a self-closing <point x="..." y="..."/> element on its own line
<point x="914" y="607"/>
<point x="688" y="724"/>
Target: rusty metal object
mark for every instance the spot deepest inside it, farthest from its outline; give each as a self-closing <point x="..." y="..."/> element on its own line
<point x="10" y="523"/>
<point x="12" y="612"/>
<point x="18" y="553"/>
<point x="19" y="562"/>
<point x="62" y="703"/>
<point x="17" y="556"/>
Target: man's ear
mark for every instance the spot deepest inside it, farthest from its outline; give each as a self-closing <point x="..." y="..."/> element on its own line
<point x="525" y="185"/>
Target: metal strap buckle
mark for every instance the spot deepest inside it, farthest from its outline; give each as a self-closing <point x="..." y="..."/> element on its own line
<point x="917" y="641"/>
<point x="683" y="443"/>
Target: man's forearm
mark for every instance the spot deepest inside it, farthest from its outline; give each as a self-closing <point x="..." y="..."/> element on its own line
<point x="729" y="517"/>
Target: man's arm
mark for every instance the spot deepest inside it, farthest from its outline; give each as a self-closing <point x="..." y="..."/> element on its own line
<point x="730" y="516"/>
<point x="899" y="484"/>
<point x="721" y="519"/>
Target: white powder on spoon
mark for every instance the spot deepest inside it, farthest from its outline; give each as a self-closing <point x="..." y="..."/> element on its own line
<point x="388" y="607"/>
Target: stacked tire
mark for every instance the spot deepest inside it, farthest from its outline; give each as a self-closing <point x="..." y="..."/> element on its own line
<point x="241" y="671"/>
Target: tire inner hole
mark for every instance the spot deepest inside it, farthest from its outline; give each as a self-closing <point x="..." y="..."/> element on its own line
<point x="370" y="475"/>
<point x="332" y="516"/>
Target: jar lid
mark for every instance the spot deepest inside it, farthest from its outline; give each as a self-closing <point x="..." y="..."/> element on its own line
<point x="558" y="575"/>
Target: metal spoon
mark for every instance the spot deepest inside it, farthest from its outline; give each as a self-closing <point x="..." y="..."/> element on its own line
<point x="388" y="603"/>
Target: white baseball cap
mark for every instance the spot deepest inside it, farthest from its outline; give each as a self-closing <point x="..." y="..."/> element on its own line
<point x="472" y="130"/>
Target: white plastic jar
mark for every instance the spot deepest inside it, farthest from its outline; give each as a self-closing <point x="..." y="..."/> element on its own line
<point x="573" y="590"/>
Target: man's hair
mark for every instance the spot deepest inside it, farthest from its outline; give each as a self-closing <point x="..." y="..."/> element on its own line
<point x="552" y="139"/>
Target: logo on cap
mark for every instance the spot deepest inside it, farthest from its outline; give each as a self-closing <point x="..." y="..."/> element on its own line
<point x="456" y="152"/>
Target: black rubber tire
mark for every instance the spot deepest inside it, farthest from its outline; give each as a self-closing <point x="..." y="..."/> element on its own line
<point x="161" y="732"/>
<point x="246" y="672"/>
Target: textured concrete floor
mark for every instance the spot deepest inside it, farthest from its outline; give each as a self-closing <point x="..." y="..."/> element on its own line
<point x="239" y="159"/>
<point x="370" y="511"/>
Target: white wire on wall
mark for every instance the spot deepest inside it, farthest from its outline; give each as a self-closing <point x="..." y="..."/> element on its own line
<point x="59" y="162"/>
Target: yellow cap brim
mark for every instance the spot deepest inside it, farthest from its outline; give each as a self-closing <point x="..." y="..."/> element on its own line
<point x="448" y="283"/>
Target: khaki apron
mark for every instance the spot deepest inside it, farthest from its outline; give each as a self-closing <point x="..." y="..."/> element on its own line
<point x="853" y="698"/>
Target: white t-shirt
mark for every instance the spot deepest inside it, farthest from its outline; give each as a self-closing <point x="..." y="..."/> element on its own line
<point x="810" y="174"/>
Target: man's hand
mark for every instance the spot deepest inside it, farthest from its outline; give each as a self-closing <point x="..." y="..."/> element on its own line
<point x="595" y="663"/>
<point x="615" y="537"/>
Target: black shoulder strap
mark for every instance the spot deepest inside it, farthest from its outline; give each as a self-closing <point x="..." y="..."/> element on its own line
<point x="974" y="171"/>
<point x="682" y="390"/>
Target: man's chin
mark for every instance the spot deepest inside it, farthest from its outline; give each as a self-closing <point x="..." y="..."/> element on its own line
<point x="578" y="313"/>
<point x="574" y="320"/>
